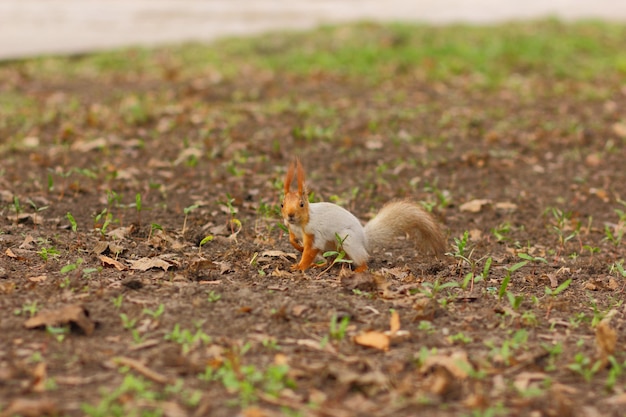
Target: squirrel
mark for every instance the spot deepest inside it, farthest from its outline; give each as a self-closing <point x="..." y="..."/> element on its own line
<point x="315" y="227"/>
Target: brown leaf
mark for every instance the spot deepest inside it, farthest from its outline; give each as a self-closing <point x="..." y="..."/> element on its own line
<point x="394" y="322"/>
<point x="619" y="399"/>
<point x="505" y="206"/>
<point x="40" y="278"/>
<point x="554" y="282"/>
<point x="27" y="407"/>
<point x="278" y="254"/>
<point x="70" y="314"/>
<point x="27" y="243"/>
<point x="475" y="235"/>
<point x="606" y="339"/>
<point x="525" y="379"/>
<point x="144" y="264"/>
<point x="362" y="281"/>
<point x="426" y="308"/>
<point x="121" y="232"/>
<point x="10" y="253"/>
<point x="108" y="261"/>
<point x="474" y="206"/>
<point x="441" y="381"/>
<point x="142" y="369"/>
<point x="225" y="267"/>
<point x="620" y="130"/>
<point x="373" y="339"/>
<point x="297" y="310"/>
<point x="39" y="377"/>
<point x="457" y="363"/>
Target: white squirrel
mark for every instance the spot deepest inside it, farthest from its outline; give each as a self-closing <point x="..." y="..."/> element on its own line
<point x="314" y="227"/>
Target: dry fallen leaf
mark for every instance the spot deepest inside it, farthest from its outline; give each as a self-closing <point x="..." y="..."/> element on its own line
<point x="69" y="314"/>
<point x="525" y="379"/>
<point x="620" y="130"/>
<point x="27" y="243"/>
<point x="506" y="206"/>
<point x="475" y="235"/>
<point x="474" y="206"/>
<point x="39" y="377"/>
<point x="606" y="339"/>
<point x="457" y="363"/>
<point x="144" y="264"/>
<point x="10" y="253"/>
<point x="39" y="278"/>
<point x="84" y="146"/>
<point x="277" y="254"/>
<point x="394" y="322"/>
<point x="108" y="261"/>
<point x="142" y="369"/>
<point x="27" y="407"/>
<point x="373" y="339"/>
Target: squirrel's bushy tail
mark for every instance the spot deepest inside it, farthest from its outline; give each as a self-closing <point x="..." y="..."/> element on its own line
<point x="399" y="218"/>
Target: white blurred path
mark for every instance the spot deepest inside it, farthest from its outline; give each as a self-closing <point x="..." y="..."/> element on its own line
<point x="31" y="27"/>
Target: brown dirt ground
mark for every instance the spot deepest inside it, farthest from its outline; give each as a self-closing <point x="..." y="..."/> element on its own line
<point x="180" y="141"/>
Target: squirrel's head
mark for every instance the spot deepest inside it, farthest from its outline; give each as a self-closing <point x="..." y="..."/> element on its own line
<point x="295" y="205"/>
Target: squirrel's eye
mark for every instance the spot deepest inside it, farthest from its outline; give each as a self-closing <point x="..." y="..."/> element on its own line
<point x="302" y="204"/>
<point x="282" y="205"/>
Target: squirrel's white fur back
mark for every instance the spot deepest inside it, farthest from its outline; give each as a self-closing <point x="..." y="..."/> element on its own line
<point x="326" y="219"/>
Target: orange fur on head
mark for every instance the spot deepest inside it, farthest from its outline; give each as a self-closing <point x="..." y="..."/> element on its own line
<point x="301" y="178"/>
<point x="289" y="177"/>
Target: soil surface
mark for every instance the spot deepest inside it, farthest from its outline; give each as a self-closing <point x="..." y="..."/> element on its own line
<point x="167" y="290"/>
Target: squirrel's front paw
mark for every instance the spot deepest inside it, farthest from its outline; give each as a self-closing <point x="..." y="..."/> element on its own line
<point x="298" y="267"/>
<point x="294" y="267"/>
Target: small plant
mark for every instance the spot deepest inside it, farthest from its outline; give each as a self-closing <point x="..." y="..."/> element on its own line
<point x="120" y="402"/>
<point x="213" y="297"/>
<point x="58" y="333"/>
<point x="18" y="208"/>
<point x="138" y="208"/>
<point x="432" y="289"/>
<point x="188" y="210"/>
<point x="246" y="381"/>
<point x="532" y="259"/>
<point x="118" y="301"/>
<point x="337" y="331"/>
<point x="153" y="227"/>
<point x="501" y="231"/>
<point x="102" y="221"/>
<point x="460" y="247"/>
<point x="558" y="290"/>
<point x="515" y="300"/>
<point x="47" y="253"/>
<point x="72" y="221"/>
<point x="339" y="255"/>
<point x="460" y="338"/>
<point x="426" y="326"/>
<point x="186" y="338"/>
<point x="507" y="278"/>
<point x="155" y="314"/>
<point x="615" y="371"/>
<point x="553" y="352"/>
<point x="619" y="268"/>
<point x="563" y="227"/>
<point x="584" y="366"/>
<point x="206" y="239"/>
<point x="127" y="322"/>
<point x="30" y="308"/>
<point x="614" y="236"/>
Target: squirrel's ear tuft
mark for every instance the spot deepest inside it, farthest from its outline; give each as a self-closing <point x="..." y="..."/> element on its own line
<point x="301" y="177"/>
<point x="289" y="177"/>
